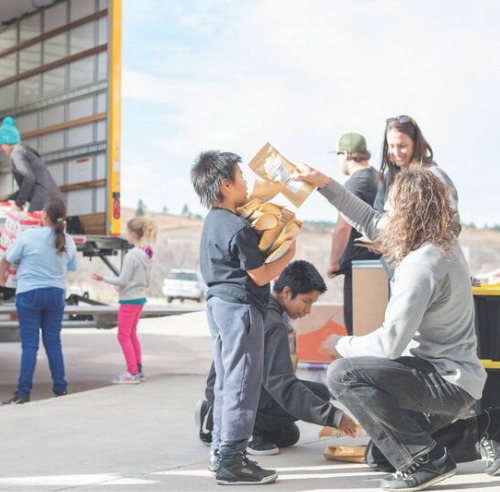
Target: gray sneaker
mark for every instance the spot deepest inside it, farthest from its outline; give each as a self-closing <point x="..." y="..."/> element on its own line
<point x="490" y="442"/>
<point x="17" y="399"/>
<point x="422" y="474"/>
<point x="259" y="447"/>
<point x="239" y="470"/>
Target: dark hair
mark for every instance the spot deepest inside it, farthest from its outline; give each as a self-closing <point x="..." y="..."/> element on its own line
<point x="56" y="211"/>
<point x="301" y="277"/>
<point x="422" y="212"/>
<point x="208" y="172"/>
<point x="359" y="156"/>
<point x="422" y="151"/>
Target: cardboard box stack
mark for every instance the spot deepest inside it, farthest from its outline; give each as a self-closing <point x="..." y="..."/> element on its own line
<point x="12" y="224"/>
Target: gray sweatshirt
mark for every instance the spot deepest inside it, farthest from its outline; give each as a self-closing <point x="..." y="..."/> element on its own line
<point x="134" y="277"/>
<point x="280" y="383"/>
<point x="431" y="311"/>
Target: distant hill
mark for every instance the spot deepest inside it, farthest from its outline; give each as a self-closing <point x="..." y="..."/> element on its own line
<point x="179" y="239"/>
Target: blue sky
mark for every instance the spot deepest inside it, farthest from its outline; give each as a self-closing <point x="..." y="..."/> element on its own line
<point x="233" y="74"/>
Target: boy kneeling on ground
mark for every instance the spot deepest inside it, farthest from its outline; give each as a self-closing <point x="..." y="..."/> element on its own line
<point x="284" y="398"/>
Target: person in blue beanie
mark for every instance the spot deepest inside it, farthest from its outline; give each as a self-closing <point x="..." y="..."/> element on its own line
<point x="34" y="180"/>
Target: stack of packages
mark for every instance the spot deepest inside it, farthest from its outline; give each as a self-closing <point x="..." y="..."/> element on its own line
<point x="275" y="224"/>
<point x="12" y="224"/>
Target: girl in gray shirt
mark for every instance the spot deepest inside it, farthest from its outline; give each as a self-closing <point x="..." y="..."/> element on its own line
<point x="132" y="284"/>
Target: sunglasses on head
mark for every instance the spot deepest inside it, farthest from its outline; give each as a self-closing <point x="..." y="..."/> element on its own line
<point x="404" y="118"/>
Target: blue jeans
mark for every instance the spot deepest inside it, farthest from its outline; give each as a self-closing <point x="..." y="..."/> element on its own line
<point x="238" y="343"/>
<point x="399" y="403"/>
<point x="41" y="309"/>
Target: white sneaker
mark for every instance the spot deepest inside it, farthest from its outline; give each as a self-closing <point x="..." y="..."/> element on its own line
<point x="127" y="378"/>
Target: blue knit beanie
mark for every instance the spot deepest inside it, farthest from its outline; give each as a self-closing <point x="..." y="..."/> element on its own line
<point x="9" y="134"/>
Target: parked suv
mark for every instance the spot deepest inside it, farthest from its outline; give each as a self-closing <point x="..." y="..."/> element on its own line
<point x="184" y="284"/>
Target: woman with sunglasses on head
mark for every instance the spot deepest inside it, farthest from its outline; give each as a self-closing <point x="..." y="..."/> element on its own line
<point x="404" y="144"/>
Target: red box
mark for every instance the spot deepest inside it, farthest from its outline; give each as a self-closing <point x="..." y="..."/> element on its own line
<point x="17" y="222"/>
<point x="7" y="239"/>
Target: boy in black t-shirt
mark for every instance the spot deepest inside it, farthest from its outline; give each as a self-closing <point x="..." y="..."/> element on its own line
<point x="233" y="268"/>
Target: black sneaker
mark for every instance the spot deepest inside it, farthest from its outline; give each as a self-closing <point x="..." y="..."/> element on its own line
<point x="203" y="416"/>
<point x="214" y="462"/>
<point x="239" y="470"/>
<point x="490" y="442"/>
<point x="422" y="474"/>
<point x="258" y="446"/>
<point x="17" y="399"/>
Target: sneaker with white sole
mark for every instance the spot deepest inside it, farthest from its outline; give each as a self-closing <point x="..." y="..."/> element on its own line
<point x="127" y="378"/>
<point x="423" y="473"/>
<point x="239" y="470"/>
<point x="17" y="399"/>
<point x="214" y="462"/>
<point x="258" y="446"/>
<point x="490" y="442"/>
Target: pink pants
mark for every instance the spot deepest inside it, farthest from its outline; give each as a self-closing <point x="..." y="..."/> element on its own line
<point x="128" y="318"/>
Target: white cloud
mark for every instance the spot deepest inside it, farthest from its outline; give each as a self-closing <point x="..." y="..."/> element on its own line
<point x="301" y="73"/>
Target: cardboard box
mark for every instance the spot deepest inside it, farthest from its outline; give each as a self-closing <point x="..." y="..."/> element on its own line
<point x="370" y="295"/>
<point x="5" y="208"/>
<point x="7" y="239"/>
<point x="11" y="278"/>
<point x="325" y="319"/>
<point x="17" y="222"/>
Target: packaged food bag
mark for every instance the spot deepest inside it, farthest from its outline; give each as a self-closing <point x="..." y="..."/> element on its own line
<point x="275" y="225"/>
<point x="276" y="170"/>
<point x="249" y="208"/>
<point x="351" y="454"/>
<point x="334" y="432"/>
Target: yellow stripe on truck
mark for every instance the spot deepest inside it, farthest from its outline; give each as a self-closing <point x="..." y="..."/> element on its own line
<point x="114" y="140"/>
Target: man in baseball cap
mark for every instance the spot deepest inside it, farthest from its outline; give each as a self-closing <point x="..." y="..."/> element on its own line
<point x="353" y="158"/>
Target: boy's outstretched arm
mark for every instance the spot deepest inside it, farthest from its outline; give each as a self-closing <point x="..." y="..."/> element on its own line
<point x="264" y="274"/>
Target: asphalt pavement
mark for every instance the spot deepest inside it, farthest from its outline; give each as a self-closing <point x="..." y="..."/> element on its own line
<point x="103" y="437"/>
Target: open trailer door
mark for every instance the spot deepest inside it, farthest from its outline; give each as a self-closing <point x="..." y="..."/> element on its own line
<point x="60" y="77"/>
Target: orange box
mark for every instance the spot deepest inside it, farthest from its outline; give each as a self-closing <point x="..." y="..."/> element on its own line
<point x="324" y="320"/>
<point x="17" y="222"/>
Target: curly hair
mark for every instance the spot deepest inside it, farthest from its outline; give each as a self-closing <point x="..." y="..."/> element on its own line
<point x="421" y="212"/>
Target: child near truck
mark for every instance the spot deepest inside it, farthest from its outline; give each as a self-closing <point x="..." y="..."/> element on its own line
<point x="132" y="284"/>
